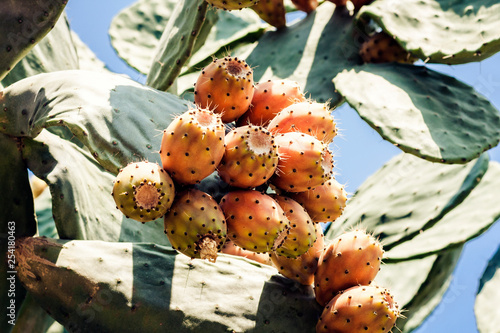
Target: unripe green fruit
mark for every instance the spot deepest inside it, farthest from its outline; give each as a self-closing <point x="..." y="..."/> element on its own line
<point x="143" y="191"/>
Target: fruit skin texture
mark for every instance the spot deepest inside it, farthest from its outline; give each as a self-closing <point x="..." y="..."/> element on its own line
<point x="232" y="4"/>
<point x="269" y="98"/>
<point x="381" y="48"/>
<point x="304" y="162"/>
<point x="271" y="11"/>
<point x="305" y="5"/>
<point x="250" y="158"/>
<point x="143" y="191"/>
<point x="351" y="259"/>
<point x="192" y="146"/>
<point x="226" y="87"/>
<point x="195" y="225"/>
<point x="301" y="234"/>
<point x="230" y="248"/>
<point x="307" y="117"/>
<point x="359" y="309"/>
<point x="324" y="203"/>
<point x="302" y="268"/>
<point x="254" y="220"/>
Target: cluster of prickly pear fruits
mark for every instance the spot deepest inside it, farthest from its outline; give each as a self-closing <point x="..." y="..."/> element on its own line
<point x="269" y="147"/>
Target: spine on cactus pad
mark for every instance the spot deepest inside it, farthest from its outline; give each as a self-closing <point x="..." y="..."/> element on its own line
<point x="143" y="191"/>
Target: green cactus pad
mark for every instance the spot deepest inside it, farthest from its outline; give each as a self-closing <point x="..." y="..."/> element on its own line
<point x="487" y="297"/>
<point x="445" y="31"/>
<point x="23" y="24"/>
<point x="468" y="220"/>
<point x="406" y="196"/>
<point x="176" y="43"/>
<point x="151" y="288"/>
<point x="54" y="52"/>
<point x="82" y="205"/>
<point x="311" y="52"/>
<point x="136" y="31"/>
<point x="421" y="111"/>
<point x="117" y="119"/>
<point x="430" y="292"/>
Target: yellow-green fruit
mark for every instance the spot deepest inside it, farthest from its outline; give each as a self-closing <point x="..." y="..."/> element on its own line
<point x="143" y="191"/>
<point x="195" y="225"/>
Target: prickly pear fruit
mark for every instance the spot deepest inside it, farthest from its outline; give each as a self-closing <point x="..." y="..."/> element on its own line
<point x="351" y="259"/>
<point x="381" y="48"/>
<point x="230" y="248"/>
<point x="232" y="4"/>
<point x="305" y="5"/>
<point x="269" y="99"/>
<point x="250" y="158"/>
<point x="271" y="11"/>
<point x="192" y="145"/>
<point x="195" y="225"/>
<point x="226" y="87"/>
<point x="301" y="234"/>
<point x="307" y="117"/>
<point x="143" y="191"/>
<point x="324" y="203"/>
<point x="254" y="220"/>
<point x="304" y="162"/>
<point x="359" y="309"/>
<point x="302" y="268"/>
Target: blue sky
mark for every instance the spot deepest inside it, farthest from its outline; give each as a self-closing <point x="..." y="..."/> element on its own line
<point x="359" y="152"/>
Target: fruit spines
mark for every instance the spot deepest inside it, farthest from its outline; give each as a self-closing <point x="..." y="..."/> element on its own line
<point x="359" y="309"/>
<point x="192" y="145"/>
<point x="195" y="225"/>
<point x="351" y="259"/>
<point x="226" y="87"/>
<point x="250" y="158"/>
<point x="302" y="268"/>
<point x="324" y="203"/>
<point x="143" y="191"/>
<point x="254" y="220"/>
<point x="304" y="162"/>
<point x="269" y="98"/>
<point x="308" y="117"/>
<point x="301" y="234"/>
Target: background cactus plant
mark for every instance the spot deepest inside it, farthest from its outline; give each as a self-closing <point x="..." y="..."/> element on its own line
<point x="75" y="128"/>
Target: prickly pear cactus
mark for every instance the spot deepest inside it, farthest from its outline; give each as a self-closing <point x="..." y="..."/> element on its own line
<point x="74" y="124"/>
